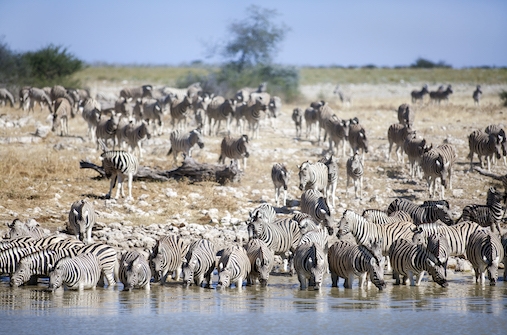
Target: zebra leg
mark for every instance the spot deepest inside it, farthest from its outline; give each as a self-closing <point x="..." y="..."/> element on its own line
<point x="347" y="190"/>
<point x="119" y="187"/>
<point x="284" y="197"/>
<point x="130" y="178"/>
<point x="112" y="183"/>
<point x="302" y="281"/>
<point x="362" y="280"/>
<point x="244" y="163"/>
<point x="334" y="280"/>
<point x="418" y="279"/>
<point x="277" y="194"/>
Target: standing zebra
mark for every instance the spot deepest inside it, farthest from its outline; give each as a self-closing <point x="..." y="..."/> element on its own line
<point x="184" y="142"/>
<point x="419" y="95"/>
<point x="313" y="176"/>
<point x="253" y="112"/>
<point x="199" y="263"/>
<point x="438" y="163"/>
<point x="152" y="111"/>
<point x="355" y="171"/>
<point x="415" y="148"/>
<point x="76" y="273"/>
<point x="119" y="165"/>
<point x="347" y="260"/>
<point x="134" y="135"/>
<point x="441" y="94"/>
<point x="167" y="258"/>
<point x="280" y="177"/>
<point x="398" y="134"/>
<point x="81" y="220"/>
<point x="37" y="95"/>
<point x="91" y="114"/>
<point x="233" y="267"/>
<point x="485" y="251"/>
<point x="428" y="213"/>
<point x="311" y="119"/>
<point x="332" y="177"/>
<point x="410" y="259"/>
<point x="261" y="261"/>
<point x="134" y="271"/>
<point x="338" y="131"/>
<point x="406" y="115"/>
<point x="62" y="110"/>
<point x="314" y="204"/>
<point x="133" y="93"/>
<point x="234" y="148"/>
<point x="381" y="217"/>
<point x="310" y="265"/>
<point x="498" y="130"/>
<point x="297" y="117"/>
<point x="484" y="144"/>
<point x="107" y="258"/>
<point x="5" y="96"/>
<point x="477" y="95"/>
<point x="358" y="140"/>
<point x="106" y="129"/>
<point x="220" y="110"/>
<point x="489" y="215"/>
<point x="179" y="109"/>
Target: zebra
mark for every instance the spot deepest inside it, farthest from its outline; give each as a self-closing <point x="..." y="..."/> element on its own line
<point x="409" y="259"/>
<point x="81" y="220"/>
<point x="297" y="117"/>
<point x="332" y="177"/>
<point x="21" y="229"/>
<point x="234" y="148"/>
<point x="310" y="265"/>
<point x="37" y="95"/>
<point x="438" y="163"/>
<point x="24" y="98"/>
<point x="233" y="267"/>
<point x="23" y="241"/>
<point x="106" y="129"/>
<point x="504" y="244"/>
<point x="347" y="260"/>
<point x="314" y="204"/>
<point x="420" y="214"/>
<point x="498" y="130"/>
<point x="91" y="114"/>
<point x="134" y="135"/>
<point x="167" y="258"/>
<point x="253" y="112"/>
<point x="261" y="261"/>
<point x="398" y="134"/>
<point x="244" y="93"/>
<point x="134" y="271"/>
<point x="344" y="98"/>
<point x="220" y="109"/>
<point x="415" y="148"/>
<point x="438" y="245"/>
<point x="381" y="217"/>
<point x="280" y="177"/>
<point x="11" y="256"/>
<point x="108" y="261"/>
<point x="311" y="118"/>
<point x="441" y="94"/>
<point x="123" y="107"/>
<point x="406" y="115"/>
<point x="151" y="111"/>
<point x="316" y="235"/>
<point x="485" y="250"/>
<point x="484" y="144"/>
<point x="5" y="96"/>
<point x="179" y="109"/>
<point x="419" y="95"/>
<point x="457" y="235"/>
<point x="358" y="139"/>
<point x="62" y="109"/>
<point x="37" y="264"/>
<point x="56" y="92"/>
<point x="324" y="114"/>
<point x="489" y="215"/>
<point x="75" y="273"/>
<point x="199" y="263"/>
<point x="313" y="176"/>
<point x="355" y="171"/>
<point x="365" y="231"/>
<point x="477" y="95"/>
<point x="119" y="165"/>
<point x="144" y="91"/>
<point x="264" y="213"/>
<point x="338" y="131"/>
<point x="184" y="142"/>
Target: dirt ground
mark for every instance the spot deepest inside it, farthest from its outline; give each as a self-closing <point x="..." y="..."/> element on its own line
<point x="40" y="177"/>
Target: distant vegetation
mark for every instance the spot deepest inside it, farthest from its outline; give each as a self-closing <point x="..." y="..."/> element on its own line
<point x="422" y="63"/>
<point x="503" y="97"/>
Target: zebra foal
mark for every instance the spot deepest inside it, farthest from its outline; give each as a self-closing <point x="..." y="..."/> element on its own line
<point x="280" y="177"/>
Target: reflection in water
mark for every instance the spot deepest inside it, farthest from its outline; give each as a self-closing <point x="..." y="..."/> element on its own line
<point x="281" y="306"/>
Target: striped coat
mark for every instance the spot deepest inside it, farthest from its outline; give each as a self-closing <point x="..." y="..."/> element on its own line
<point x="311" y="119"/>
<point x="498" y="130"/>
<point x="485" y="251"/>
<point x="106" y="129"/>
<point x="313" y="176"/>
<point x="219" y="110"/>
<point x="133" y="135"/>
<point x="119" y="165"/>
<point x="21" y="229"/>
<point x="108" y="261"/>
<point x="179" y="112"/>
<point x="381" y="217"/>
<point x="355" y="171"/>
<point x="234" y="148"/>
<point x="332" y="177"/>
<point x="485" y="145"/>
<point x="438" y="163"/>
<point x="358" y="140"/>
<point x="419" y="95"/>
<point x="167" y="258"/>
<point x="261" y="261"/>
<point x="75" y="273"/>
<point x="489" y="215"/>
<point x="310" y="265"/>
<point x="297" y="117"/>
<point x="199" y="263"/>
<point x="253" y="112"/>
<point x="81" y="220"/>
<point x="134" y="271"/>
<point x="184" y="142"/>
<point x="280" y="177"/>
<point x="233" y="267"/>
<point x="477" y="95"/>
<point x="315" y="204"/>
<point x="428" y="213"/>
<point x="406" y="115"/>
<point x="415" y="148"/>
<point x="397" y="134"/>
<point x="338" y="131"/>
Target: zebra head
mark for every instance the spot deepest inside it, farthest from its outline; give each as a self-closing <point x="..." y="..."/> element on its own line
<point x="188" y="270"/>
<point x="436" y="271"/>
<point x="263" y="267"/>
<point x="304" y="175"/>
<point x="317" y="266"/>
<point x="224" y="276"/>
<point x="376" y="269"/>
<point x="158" y="264"/>
<point x="363" y="140"/>
<point x="22" y="274"/>
<point x="442" y="168"/>
<point x="419" y="236"/>
<point x="195" y="137"/>
<point x="133" y="269"/>
<point x="55" y="275"/>
<point x="343" y="226"/>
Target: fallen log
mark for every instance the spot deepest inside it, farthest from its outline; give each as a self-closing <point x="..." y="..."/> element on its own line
<point x="189" y="170"/>
<point x="500" y="178"/>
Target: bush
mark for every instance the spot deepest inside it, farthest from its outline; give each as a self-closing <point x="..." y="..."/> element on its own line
<point x="422" y="63"/>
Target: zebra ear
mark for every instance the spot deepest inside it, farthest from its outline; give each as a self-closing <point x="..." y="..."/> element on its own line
<point x="75" y="212"/>
<point x="220" y="266"/>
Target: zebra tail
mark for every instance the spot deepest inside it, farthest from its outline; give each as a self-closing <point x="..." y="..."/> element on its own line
<point x="170" y="151"/>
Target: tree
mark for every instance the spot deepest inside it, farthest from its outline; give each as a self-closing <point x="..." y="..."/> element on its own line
<point x="427" y="64"/>
<point x="254" y="40"/>
<point x="13" y="68"/>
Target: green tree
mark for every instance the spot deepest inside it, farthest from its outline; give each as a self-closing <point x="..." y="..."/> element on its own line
<point x="422" y="63"/>
<point x="13" y="69"/>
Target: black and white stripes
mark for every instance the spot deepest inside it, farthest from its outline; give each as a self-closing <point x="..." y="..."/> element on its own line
<point x="184" y="142"/>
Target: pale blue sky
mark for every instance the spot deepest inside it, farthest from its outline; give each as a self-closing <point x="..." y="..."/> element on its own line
<point x="360" y="32"/>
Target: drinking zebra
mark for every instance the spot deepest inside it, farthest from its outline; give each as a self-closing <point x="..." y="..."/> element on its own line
<point x="315" y="204"/>
<point x="233" y="267"/>
<point x="439" y="163"/>
<point x="347" y="260"/>
<point x="10" y="257"/>
<point x="261" y="261"/>
<point x="234" y="148"/>
<point x="108" y="262"/>
<point x="355" y="172"/>
<point x="184" y="142"/>
<point x="81" y="220"/>
<point x="428" y="213"/>
<point x="483" y="144"/>
<point x="484" y="250"/>
<point x="280" y="177"/>
<point x="410" y="259"/>
<point x="332" y="177"/>
<point x="119" y="165"/>
<point x="313" y="176"/>
<point x="167" y="258"/>
<point x="419" y="95"/>
<point x="297" y="117"/>
<point x="310" y="265"/>
<point x="489" y="215"/>
<point x="199" y="263"/>
<point x="21" y="229"/>
<point x="134" y="271"/>
<point x="75" y="273"/>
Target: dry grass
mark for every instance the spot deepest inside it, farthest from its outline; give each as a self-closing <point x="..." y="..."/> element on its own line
<point x="41" y="180"/>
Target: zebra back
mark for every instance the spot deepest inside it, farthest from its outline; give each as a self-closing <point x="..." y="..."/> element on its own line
<point x="119" y="161"/>
<point x="134" y="271"/>
<point x="167" y="257"/>
<point x="485" y="250"/>
<point x="429" y="213"/>
<point x="259" y="217"/>
<point x="76" y="273"/>
<point x="315" y="204"/>
<point x="199" y="262"/>
<point x="107" y="258"/>
<point x="313" y="176"/>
